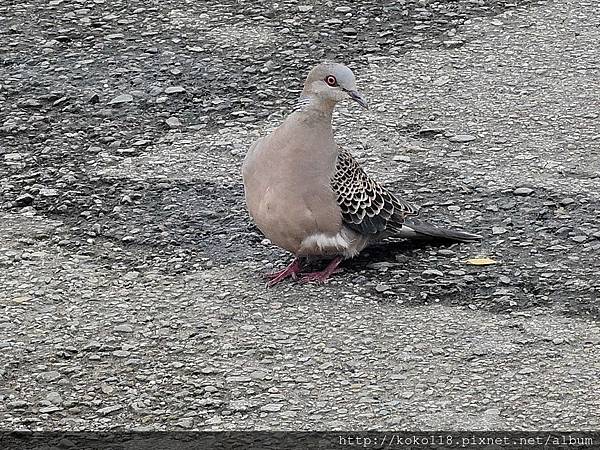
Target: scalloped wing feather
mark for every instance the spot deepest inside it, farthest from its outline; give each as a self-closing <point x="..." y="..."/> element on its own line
<point x="367" y="207"/>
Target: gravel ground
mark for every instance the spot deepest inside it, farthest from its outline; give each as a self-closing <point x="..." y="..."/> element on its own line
<point x="130" y="288"/>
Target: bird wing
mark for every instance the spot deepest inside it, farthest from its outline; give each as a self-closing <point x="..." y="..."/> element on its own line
<point x="367" y="207"/>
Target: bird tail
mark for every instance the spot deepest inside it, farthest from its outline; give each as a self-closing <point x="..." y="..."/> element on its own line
<point x="415" y="229"/>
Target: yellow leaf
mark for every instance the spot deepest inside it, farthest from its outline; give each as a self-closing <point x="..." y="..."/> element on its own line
<point x="481" y="261"/>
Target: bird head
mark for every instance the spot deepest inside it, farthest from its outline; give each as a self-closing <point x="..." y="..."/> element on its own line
<point x="332" y="83"/>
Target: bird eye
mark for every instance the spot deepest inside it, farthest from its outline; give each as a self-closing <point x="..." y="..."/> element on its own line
<point x="331" y="81"/>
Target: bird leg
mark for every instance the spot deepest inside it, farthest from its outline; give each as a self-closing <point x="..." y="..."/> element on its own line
<point x="292" y="270"/>
<point x="323" y="276"/>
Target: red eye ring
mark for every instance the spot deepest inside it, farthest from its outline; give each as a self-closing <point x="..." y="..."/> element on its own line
<point x="330" y="80"/>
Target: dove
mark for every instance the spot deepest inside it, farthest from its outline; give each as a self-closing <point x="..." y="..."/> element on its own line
<point x="310" y="197"/>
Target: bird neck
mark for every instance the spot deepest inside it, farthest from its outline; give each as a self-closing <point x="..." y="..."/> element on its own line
<point x="315" y="105"/>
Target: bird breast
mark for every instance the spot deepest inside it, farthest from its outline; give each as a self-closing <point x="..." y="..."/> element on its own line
<point x="288" y="191"/>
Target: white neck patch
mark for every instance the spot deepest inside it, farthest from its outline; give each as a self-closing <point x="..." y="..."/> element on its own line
<point x="302" y="104"/>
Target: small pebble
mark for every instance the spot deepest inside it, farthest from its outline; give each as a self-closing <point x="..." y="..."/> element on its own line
<point x="523" y="191"/>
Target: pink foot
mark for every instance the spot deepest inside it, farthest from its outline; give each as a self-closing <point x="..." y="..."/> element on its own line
<point x="292" y="270"/>
<point x="323" y="276"/>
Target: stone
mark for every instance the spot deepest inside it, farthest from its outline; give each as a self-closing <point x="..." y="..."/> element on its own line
<point x="567" y="201"/>
<point x="173" y="122"/>
<point x="10" y="157"/>
<point x="109" y="410"/>
<point x="30" y="103"/>
<point x="258" y="375"/>
<point x="45" y="192"/>
<point x="504" y="279"/>
<point x="499" y="230"/>
<point x="123" y="328"/>
<point x="432" y="273"/>
<point x="239" y="405"/>
<point x="272" y="407"/>
<point x="239" y="379"/>
<point x="131" y="275"/>
<point x="382" y="287"/>
<point x="50" y="376"/>
<point x="214" y="421"/>
<point x="18" y="404"/>
<point x="186" y="422"/>
<point x="50" y="409"/>
<point x="24" y="200"/>
<point x="523" y="191"/>
<point x="174" y="90"/>
<point x="440" y="82"/>
<point x="54" y="398"/>
<point x="121" y="99"/>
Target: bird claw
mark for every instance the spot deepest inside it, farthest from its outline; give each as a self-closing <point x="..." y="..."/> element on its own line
<point x="315" y="277"/>
<point x="275" y="280"/>
<point x="321" y="277"/>
<point x="291" y="270"/>
<point x="271" y="275"/>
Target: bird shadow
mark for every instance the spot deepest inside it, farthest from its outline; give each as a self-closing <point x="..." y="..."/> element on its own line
<point x="388" y="251"/>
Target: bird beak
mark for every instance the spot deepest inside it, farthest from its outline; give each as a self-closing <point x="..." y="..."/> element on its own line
<point x="358" y="98"/>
